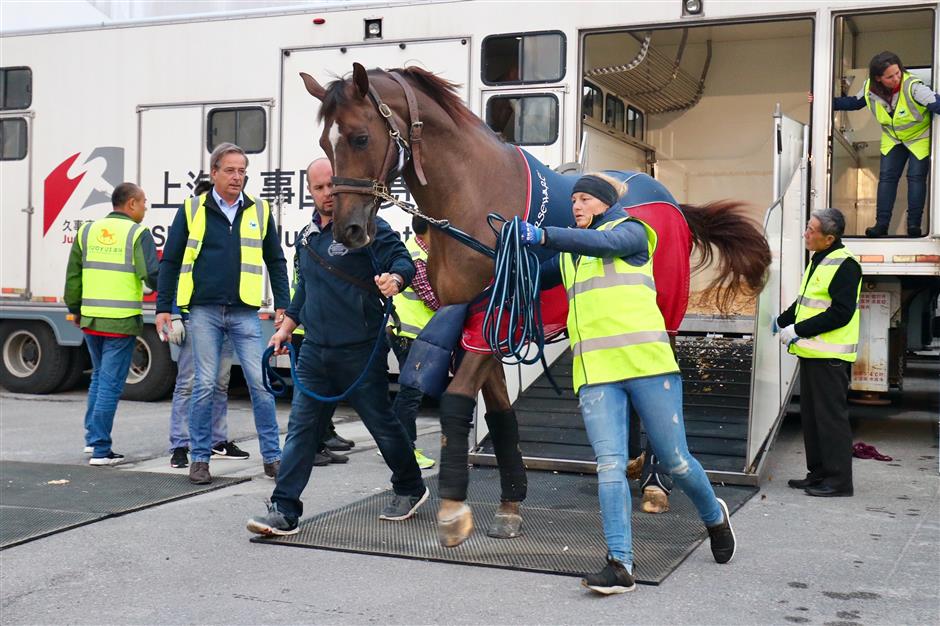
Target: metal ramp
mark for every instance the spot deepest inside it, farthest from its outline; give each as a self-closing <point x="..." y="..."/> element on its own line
<point x="716" y="374"/>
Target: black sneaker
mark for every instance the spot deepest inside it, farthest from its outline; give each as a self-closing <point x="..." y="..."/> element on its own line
<point x="403" y="507"/>
<point x="878" y="230"/>
<point x="614" y="578"/>
<point x="273" y="523"/>
<point x="343" y="440"/>
<point x="722" y="537"/>
<point x="110" y="459"/>
<point x="180" y="457"/>
<point x="334" y="443"/>
<point x="228" y="450"/>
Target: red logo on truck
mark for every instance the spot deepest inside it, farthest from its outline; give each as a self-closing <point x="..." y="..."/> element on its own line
<point x="101" y="172"/>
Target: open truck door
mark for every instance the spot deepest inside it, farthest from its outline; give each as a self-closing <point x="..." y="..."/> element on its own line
<point x="774" y="368"/>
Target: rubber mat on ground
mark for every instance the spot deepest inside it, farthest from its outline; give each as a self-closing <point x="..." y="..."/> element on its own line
<point x="562" y="531"/>
<point x="40" y="499"/>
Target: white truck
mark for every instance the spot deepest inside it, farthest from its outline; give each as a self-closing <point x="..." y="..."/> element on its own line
<point x="708" y="96"/>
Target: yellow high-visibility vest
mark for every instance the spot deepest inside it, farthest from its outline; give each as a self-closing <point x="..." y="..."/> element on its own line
<point x="841" y="343"/>
<point x="615" y="327"/>
<point x="910" y="122"/>
<point x="253" y="229"/>
<point x="413" y="313"/>
<point x="110" y="285"/>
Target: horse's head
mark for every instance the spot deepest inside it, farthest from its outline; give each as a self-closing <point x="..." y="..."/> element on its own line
<point x="357" y="141"/>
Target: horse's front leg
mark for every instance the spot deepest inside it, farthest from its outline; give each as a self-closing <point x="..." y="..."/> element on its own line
<point x="504" y="431"/>
<point x="454" y="518"/>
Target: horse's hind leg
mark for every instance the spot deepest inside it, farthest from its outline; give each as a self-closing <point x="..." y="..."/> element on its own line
<point x="504" y="430"/>
<point x="454" y="518"/>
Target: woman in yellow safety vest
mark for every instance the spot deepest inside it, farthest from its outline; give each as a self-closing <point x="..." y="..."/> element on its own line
<point x="622" y="357"/>
<point x="904" y="106"/>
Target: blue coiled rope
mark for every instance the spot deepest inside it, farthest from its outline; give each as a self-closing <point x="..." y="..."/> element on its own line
<point x="514" y="302"/>
<point x="275" y="383"/>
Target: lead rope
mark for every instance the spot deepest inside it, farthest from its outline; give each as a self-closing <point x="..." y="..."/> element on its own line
<point x="275" y="383"/>
<point x="515" y="304"/>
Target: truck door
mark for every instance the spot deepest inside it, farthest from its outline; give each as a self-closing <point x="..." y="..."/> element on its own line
<point x="774" y="368"/>
<point x="16" y="219"/>
<point x="176" y="141"/>
<point x="529" y="118"/>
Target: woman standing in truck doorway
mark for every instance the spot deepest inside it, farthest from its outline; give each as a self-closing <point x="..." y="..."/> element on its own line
<point x="904" y="106"/>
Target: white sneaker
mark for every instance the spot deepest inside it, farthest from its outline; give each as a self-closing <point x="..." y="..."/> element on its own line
<point x="89" y="450"/>
<point x="111" y="459"/>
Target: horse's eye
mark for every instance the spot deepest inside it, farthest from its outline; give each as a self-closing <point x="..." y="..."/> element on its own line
<point x="360" y="142"/>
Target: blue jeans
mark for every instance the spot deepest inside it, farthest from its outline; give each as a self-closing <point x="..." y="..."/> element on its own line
<point x="183" y="392"/>
<point x="658" y="400"/>
<point x="209" y="325"/>
<point x="407" y="401"/>
<point x="330" y="371"/>
<point x="111" y="360"/>
<point x="892" y="164"/>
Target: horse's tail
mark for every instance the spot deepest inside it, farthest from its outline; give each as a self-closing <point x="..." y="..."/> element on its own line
<point x="742" y="252"/>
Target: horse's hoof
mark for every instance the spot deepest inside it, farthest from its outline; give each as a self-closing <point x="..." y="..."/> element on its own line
<point x="507" y="523"/>
<point x="655" y="500"/>
<point x="454" y="526"/>
<point x="635" y="467"/>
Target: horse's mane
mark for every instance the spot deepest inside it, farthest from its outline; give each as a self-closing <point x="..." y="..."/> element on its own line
<point x="442" y="91"/>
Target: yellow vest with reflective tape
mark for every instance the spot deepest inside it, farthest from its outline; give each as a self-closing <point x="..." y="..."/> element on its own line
<point x="110" y="285"/>
<point x="254" y="227"/>
<point x="293" y="286"/>
<point x="910" y="123"/>
<point x="841" y="343"/>
<point x="413" y="313"/>
<point x="616" y="330"/>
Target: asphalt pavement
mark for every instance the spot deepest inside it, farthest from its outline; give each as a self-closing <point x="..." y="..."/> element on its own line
<point x="870" y="559"/>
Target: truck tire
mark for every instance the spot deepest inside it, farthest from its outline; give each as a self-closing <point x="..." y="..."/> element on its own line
<point x="152" y="372"/>
<point x="79" y="363"/>
<point x="32" y="360"/>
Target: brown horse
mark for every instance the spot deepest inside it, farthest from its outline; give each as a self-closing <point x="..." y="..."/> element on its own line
<point x="379" y="124"/>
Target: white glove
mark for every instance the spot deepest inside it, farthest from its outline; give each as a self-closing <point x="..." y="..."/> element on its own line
<point x="788" y="335"/>
<point x="177" y="333"/>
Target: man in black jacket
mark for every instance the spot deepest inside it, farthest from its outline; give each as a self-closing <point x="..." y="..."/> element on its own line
<point x="337" y="299"/>
<point x="821" y="328"/>
<point x="213" y="266"/>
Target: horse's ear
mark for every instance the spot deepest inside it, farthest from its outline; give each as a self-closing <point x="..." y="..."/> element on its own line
<point x="313" y="87"/>
<point x="361" y="79"/>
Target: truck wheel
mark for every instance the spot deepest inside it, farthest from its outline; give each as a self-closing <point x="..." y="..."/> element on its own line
<point x="79" y="362"/>
<point x="152" y="372"/>
<point x="33" y="361"/>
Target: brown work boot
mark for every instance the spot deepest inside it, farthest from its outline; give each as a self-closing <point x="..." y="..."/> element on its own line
<point x="199" y="473"/>
<point x="635" y="467"/>
<point x="655" y="500"/>
<point x="271" y="469"/>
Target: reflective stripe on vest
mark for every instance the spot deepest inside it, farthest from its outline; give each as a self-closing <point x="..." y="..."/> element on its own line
<point x="110" y="285"/>
<point x="413" y="314"/>
<point x="616" y="329"/>
<point x="841" y="343"/>
<point x="910" y="122"/>
<point x="252" y="231"/>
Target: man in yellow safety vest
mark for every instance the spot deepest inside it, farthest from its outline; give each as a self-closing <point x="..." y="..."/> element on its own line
<point x="110" y="258"/>
<point x="821" y="328"/>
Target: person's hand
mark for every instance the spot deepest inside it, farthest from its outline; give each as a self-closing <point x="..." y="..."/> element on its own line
<point x="531" y="235"/>
<point x="389" y="284"/>
<point x="164" y="324"/>
<point x="279" y="341"/>
<point x="788" y="335"/>
<point x="177" y="334"/>
<point x="278" y="317"/>
<point x="75" y="319"/>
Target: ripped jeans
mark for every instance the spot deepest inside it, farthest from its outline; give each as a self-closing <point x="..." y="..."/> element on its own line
<point x="658" y="400"/>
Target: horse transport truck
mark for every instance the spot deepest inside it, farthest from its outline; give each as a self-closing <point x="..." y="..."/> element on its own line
<point x="708" y="96"/>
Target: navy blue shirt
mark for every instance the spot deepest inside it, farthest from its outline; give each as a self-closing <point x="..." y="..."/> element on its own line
<point x="334" y="312"/>
<point x="217" y="271"/>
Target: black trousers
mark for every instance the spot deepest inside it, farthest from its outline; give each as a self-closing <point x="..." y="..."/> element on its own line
<point x="827" y="435"/>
